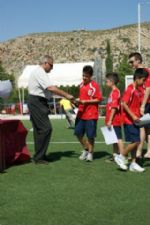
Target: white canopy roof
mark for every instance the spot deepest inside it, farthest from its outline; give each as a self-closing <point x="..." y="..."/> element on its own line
<point x="65" y="74"/>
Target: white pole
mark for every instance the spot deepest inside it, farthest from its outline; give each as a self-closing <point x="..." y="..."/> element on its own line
<point x="54" y="102"/>
<point x="139" y="28"/>
<point x="20" y="101"/>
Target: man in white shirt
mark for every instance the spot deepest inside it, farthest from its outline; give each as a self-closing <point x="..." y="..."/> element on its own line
<point x="40" y="88"/>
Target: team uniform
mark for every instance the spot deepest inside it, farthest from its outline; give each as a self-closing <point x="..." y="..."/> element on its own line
<point x="147" y="85"/>
<point x="132" y="97"/>
<point x="114" y="102"/>
<point x="87" y="115"/>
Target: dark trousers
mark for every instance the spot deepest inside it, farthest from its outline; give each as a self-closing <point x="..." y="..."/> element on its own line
<point x="42" y="128"/>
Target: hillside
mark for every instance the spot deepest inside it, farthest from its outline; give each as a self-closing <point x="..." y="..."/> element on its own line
<point x="73" y="46"/>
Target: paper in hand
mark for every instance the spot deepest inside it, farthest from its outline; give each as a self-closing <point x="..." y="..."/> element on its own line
<point x="144" y="120"/>
<point x="109" y="135"/>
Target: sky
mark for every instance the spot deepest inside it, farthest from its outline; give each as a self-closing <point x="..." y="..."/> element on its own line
<point x="23" y="17"/>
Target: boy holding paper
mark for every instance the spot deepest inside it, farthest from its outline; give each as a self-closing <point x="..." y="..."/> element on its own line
<point x="113" y="112"/>
<point x="131" y="102"/>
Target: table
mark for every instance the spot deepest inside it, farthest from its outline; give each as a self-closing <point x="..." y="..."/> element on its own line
<point x="13" y="148"/>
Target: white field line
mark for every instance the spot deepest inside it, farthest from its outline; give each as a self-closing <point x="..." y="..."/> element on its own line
<point x="65" y="142"/>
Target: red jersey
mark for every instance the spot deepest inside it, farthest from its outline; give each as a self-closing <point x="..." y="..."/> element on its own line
<point x="132" y="97"/>
<point x="88" y="92"/>
<point x="147" y="81"/>
<point x="113" y="102"/>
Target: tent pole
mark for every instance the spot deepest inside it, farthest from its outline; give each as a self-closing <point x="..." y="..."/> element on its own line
<point x="54" y="105"/>
<point x="20" y="100"/>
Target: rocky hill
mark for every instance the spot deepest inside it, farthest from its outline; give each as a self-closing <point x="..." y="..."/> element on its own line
<point x="75" y="46"/>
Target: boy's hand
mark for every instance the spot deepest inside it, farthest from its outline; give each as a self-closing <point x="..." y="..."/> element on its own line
<point x="80" y="101"/>
<point x="109" y="124"/>
<point x="142" y="109"/>
<point x="135" y="118"/>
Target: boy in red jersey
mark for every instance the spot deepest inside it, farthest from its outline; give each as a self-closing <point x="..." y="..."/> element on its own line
<point x="131" y="102"/>
<point x="87" y="116"/>
<point x="136" y="62"/>
<point x="113" y="112"/>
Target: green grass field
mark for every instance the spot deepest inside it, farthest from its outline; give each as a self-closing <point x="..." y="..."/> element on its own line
<point x="72" y="192"/>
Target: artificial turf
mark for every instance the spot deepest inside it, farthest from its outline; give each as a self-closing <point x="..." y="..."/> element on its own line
<point x="73" y="192"/>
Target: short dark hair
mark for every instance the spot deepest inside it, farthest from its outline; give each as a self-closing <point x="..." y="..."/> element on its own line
<point x="137" y="56"/>
<point x="113" y="77"/>
<point x="140" y="73"/>
<point x="88" y="70"/>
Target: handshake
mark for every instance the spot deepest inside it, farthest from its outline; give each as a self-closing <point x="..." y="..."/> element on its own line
<point x="75" y="101"/>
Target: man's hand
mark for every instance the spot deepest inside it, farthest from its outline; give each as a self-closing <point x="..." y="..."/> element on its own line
<point x="135" y="119"/>
<point x="70" y="97"/>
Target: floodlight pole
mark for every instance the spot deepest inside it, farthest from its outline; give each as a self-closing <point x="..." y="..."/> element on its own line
<point x="139" y="27"/>
<point x="139" y="24"/>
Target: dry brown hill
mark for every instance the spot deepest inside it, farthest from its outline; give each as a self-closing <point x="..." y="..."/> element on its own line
<point x="73" y="46"/>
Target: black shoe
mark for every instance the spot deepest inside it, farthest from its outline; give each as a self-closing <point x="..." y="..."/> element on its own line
<point x="41" y="161"/>
<point x="45" y="158"/>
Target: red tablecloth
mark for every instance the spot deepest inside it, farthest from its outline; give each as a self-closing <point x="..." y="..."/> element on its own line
<point x="13" y="147"/>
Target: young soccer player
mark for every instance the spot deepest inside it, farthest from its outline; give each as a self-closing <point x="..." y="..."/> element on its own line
<point x="113" y="112"/>
<point x="87" y="116"/>
<point x="131" y="102"/>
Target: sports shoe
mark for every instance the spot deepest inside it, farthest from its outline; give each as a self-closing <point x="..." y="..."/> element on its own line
<point x="83" y="155"/>
<point x="134" y="167"/>
<point x="89" y="157"/>
<point x="121" y="161"/>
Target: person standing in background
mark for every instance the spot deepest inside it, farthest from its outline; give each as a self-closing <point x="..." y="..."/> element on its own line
<point x="68" y="110"/>
<point x="40" y="89"/>
<point x="136" y="62"/>
<point x="131" y="102"/>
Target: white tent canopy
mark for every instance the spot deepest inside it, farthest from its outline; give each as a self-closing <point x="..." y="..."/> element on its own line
<point x="65" y="74"/>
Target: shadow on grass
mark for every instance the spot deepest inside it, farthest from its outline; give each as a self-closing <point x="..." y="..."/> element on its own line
<point x="55" y="156"/>
<point x="101" y="154"/>
<point x="146" y="162"/>
<point x="14" y="164"/>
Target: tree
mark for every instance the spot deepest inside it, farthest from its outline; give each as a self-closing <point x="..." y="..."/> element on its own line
<point x="6" y="76"/>
<point x="109" y="58"/>
<point x="123" y="69"/>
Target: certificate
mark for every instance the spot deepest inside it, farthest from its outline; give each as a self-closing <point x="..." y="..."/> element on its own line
<point x="109" y="135"/>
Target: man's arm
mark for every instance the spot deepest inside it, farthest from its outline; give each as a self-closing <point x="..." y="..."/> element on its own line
<point x="60" y="92"/>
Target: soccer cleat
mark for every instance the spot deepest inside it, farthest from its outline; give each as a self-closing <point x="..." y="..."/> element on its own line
<point x="83" y="155"/>
<point x="121" y="162"/>
<point x="134" y="167"/>
<point x="89" y="157"/>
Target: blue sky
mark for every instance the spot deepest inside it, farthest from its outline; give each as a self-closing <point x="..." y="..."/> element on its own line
<point x="22" y="17"/>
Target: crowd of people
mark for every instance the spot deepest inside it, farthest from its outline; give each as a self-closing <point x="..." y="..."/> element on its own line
<point x="121" y="111"/>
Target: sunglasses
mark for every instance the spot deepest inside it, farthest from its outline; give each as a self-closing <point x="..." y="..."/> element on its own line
<point x="51" y="65"/>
